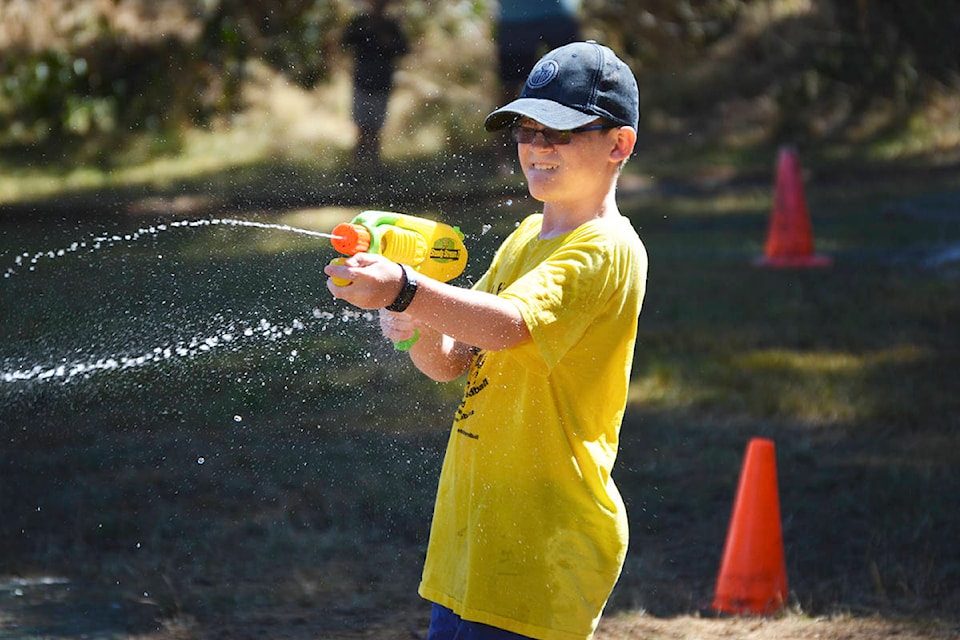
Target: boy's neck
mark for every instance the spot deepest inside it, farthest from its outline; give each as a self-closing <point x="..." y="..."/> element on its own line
<point x="559" y="219"/>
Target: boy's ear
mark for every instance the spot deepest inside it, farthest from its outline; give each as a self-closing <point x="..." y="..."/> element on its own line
<point x="626" y="140"/>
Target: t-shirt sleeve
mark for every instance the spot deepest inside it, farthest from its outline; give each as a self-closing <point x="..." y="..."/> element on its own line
<point x="559" y="300"/>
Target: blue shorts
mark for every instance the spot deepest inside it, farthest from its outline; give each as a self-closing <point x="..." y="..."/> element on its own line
<point x="446" y="625"/>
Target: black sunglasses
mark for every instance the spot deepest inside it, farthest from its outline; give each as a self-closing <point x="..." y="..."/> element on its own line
<point x="526" y="135"/>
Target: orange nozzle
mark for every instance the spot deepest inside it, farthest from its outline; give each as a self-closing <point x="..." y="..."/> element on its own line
<point x="350" y="238"/>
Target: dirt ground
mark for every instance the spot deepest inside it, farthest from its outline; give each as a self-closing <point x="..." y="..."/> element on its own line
<point x="54" y="609"/>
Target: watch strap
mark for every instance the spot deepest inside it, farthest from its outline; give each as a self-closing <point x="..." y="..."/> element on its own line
<point x="407" y="290"/>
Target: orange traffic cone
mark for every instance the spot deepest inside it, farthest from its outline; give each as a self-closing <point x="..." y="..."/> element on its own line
<point x="790" y="236"/>
<point x="753" y="574"/>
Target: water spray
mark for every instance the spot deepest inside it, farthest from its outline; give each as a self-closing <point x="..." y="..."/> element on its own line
<point x="432" y="248"/>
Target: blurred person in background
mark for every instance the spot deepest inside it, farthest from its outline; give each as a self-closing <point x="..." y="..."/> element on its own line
<point x="525" y="30"/>
<point x="377" y="41"/>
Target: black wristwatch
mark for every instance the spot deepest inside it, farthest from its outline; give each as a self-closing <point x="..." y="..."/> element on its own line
<point x="407" y="290"/>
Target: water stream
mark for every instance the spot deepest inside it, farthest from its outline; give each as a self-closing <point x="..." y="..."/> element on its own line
<point x="29" y="261"/>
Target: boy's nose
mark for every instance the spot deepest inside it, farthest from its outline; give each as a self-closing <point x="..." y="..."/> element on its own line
<point x="540" y="141"/>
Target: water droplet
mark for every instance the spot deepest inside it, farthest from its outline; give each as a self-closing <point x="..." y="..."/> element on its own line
<point x="200" y="460"/>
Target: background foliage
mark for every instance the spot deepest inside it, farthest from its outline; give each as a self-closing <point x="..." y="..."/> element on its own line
<point x="105" y="69"/>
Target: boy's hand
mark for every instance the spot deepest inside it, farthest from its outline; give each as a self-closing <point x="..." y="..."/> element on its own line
<point x="398" y="327"/>
<point x="374" y="280"/>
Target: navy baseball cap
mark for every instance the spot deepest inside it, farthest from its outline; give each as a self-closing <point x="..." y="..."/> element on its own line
<point x="572" y="86"/>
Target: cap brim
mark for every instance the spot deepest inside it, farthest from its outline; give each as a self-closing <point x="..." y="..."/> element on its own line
<point x="547" y="112"/>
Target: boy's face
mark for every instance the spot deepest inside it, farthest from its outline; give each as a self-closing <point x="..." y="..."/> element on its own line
<point x="567" y="173"/>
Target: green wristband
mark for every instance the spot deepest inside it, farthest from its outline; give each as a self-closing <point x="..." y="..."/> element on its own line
<point x="405" y="345"/>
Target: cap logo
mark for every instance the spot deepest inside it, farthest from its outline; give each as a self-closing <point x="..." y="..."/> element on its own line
<point x="543" y="74"/>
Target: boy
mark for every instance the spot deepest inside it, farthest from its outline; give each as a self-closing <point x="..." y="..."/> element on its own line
<point x="529" y="531"/>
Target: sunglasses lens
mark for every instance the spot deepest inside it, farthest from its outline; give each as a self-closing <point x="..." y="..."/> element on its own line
<point x="522" y="135"/>
<point x="526" y="135"/>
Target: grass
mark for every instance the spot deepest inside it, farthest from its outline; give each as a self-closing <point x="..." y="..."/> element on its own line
<point x="289" y="476"/>
<point x="848" y="369"/>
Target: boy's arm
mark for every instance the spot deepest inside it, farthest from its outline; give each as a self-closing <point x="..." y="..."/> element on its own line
<point x="475" y="318"/>
<point x="438" y="356"/>
<point x="471" y="317"/>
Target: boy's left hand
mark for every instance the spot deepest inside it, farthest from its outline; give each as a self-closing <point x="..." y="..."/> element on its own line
<point x="398" y="327"/>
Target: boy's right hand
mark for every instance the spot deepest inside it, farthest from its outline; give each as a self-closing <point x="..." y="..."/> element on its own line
<point x="369" y="281"/>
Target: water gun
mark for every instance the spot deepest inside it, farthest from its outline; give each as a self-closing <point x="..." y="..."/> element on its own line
<point x="432" y="248"/>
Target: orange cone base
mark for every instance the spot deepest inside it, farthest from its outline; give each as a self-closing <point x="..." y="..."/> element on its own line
<point x="793" y="262"/>
<point x="732" y="606"/>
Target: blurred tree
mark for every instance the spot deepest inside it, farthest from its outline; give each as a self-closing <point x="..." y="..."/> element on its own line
<point x="102" y="70"/>
<point x="824" y="63"/>
<point x="662" y="32"/>
<point x="121" y="67"/>
<point x="923" y="32"/>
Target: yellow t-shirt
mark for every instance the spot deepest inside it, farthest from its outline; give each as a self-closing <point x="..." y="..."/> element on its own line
<point x="529" y="532"/>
